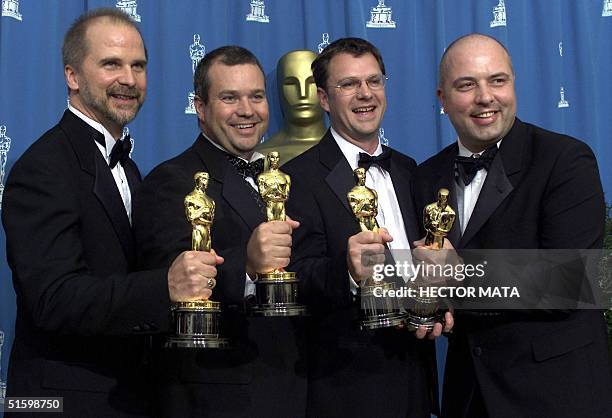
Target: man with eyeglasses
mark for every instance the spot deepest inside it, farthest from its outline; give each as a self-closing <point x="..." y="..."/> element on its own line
<point x="353" y="372"/>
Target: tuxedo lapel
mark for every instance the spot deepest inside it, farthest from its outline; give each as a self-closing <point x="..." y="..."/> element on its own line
<point x="107" y="193"/>
<point x="234" y="189"/>
<point x="237" y="194"/>
<point x="132" y="174"/>
<point x="505" y="172"/>
<point x="494" y="191"/>
<point x="82" y="138"/>
<point x="402" y="178"/>
<point x="340" y="178"/>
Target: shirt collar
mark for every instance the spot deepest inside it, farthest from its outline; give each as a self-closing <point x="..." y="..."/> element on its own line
<point x="351" y="151"/>
<point x="464" y="152"/>
<point x="109" y="141"/>
<point x="256" y="155"/>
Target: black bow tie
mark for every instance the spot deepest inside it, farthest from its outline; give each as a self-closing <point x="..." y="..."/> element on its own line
<point x="252" y="169"/>
<point x="467" y="167"/>
<point x="120" y="152"/>
<point x="383" y="160"/>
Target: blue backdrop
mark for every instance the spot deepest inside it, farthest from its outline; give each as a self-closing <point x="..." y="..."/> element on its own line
<point x="562" y="52"/>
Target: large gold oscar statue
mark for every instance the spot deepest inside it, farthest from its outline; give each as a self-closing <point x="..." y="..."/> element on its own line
<point x="197" y="322"/>
<point x="376" y="311"/>
<point x="438" y="220"/>
<point x="304" y="118"/>
<point x="276" y="291"/>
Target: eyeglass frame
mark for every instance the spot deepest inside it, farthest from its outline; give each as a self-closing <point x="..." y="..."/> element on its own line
<point x="383" y="79"/>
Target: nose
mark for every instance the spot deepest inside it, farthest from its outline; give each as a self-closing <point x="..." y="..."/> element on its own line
<point x="245" y="107"/>
<point x="127" y="77"/>
<point x="303" y="89"/>
<point x="484" y="95"/>
<point x="363" y="90"/>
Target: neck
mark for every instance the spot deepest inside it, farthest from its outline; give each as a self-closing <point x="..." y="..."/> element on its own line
<point x="311" y="132"/>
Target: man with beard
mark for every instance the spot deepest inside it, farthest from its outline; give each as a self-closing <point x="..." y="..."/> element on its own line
<point x="262" y="374"/>
<point x="353" y="372"/>
<point x="82" y="314"/>
<point x="516" y="186"/>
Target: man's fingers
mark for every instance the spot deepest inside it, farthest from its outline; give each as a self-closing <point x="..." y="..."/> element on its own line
<point x="436" y="331"/>
<point x="449" y="322"/>
<point x="421" y="332"/>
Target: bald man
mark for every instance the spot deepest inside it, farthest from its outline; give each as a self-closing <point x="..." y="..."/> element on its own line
<point x="531" y="189"/>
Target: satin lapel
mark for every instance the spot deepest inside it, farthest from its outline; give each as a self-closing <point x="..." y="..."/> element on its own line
<point x="133" y="175"/>
<point x="81" y="136"/>
<point x="237" y="194"/>
<point x="107" y="193"/>
<point x="340" y="178"/>
<point x="495" y="189"/>
<point x="402" y="179"/>
<point x="234" y="189"/>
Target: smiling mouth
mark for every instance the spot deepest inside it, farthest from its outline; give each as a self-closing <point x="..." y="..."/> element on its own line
<point x="244" y="125"/>
<point x="365" y="109"/>
<point x="485" y="115"/>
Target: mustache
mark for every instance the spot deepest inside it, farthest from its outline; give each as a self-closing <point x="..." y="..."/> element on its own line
<point x="123" y="91"/>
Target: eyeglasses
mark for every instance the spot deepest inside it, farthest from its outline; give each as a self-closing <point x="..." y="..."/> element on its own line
<point x="350" y="86"/>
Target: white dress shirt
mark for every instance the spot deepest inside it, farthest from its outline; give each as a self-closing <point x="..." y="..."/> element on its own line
<point x="117" y="171"/>
<point x="389" y="214"/>
<point x="467" y="196"/>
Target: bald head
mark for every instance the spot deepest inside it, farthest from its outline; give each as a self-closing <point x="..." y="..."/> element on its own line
<point x="476" y="90"/>
<point x="467" y="42"/>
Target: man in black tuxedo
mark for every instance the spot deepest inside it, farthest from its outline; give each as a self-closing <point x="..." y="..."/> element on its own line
<point x="262" y="374"/>
<point x="529" y="189"/>
<point x="82" y="313"/>
<point x="354" y="372"/>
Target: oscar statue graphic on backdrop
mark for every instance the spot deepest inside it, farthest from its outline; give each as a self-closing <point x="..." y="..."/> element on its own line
<point x="197" y="322"/>
<point x="303" y="116"/>
<point x="377" y="312"/>
<point x="276" y="291"/>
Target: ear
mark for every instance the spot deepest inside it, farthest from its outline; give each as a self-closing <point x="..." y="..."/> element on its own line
<point x="199" y="107"/>
<point x="323" y="99"/>
<point x="441" y="97"/>
<point x="71" y="77"/>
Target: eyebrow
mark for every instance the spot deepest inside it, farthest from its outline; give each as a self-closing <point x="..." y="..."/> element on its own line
<point x="236" y="92"/>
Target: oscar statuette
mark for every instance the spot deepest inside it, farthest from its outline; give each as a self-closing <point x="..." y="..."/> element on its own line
<point x="276" y="291"/>
<point x="376" y="312"/>
<point x="438" y="219"/>
<point x="197" y="321"/>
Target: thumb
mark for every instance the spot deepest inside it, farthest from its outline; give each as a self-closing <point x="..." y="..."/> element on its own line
<point x="293" y="224"/>
<point x="385" y="235"/>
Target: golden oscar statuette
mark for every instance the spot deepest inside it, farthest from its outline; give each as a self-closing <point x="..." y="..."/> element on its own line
<point x="197" y="321"/>
<point x="276" y="291"/>
<point x="438" y="219"/>
<point x="376" y="312"/>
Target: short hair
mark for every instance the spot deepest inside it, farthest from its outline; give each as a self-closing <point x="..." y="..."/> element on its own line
<point x="76" y="47"/>
<point x="228" y="55"/>
<point x="443" y="68"/>
<point x="353" y="46"/>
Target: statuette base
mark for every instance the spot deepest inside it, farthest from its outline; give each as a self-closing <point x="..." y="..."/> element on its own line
<point x="196" y="325"/>
<point x="276" y="295"/>
<point x="379" y="312"/>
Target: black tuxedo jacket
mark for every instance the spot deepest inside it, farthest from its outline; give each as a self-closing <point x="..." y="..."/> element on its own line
<point x="351" y="372"/>
<point x="542" y="191"/>
<point x="263" y="374"/>
<point x="81" y="315"/>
